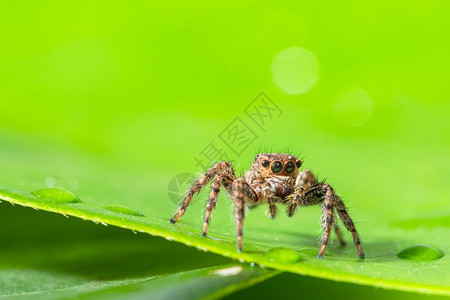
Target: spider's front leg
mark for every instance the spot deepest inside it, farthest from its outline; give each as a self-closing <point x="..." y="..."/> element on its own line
<point x="222" y="167"/>
<point x="242" y="193"/>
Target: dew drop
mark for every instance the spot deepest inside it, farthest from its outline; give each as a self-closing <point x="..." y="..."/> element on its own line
<point x="420" y="252"/>
<point x="123" y="210"/>
<point x="252" y="264"/>
<point x="283" y="255"/>
<point x="57" y="195"/>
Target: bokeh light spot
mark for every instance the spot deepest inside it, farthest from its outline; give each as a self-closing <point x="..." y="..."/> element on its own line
<point x="295" y="70"/>
<point x="353" y="107"/>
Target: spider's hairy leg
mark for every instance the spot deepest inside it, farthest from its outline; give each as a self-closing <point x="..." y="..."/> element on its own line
<point x="222" y="167"/>
<point x="212" y="201"/>
<point x="348" y="222"/>
<point x="324" y="193"/>
<point x="338" y="232"/>
<point x="305" y="180"/>
<point x="221" y="179"/>
<point x="242" y="192"/>
<point x="327" y="218"/>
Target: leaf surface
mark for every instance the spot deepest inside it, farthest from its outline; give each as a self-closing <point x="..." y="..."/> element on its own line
<point x="285" y="244"/>
<point x="46" y="256"/>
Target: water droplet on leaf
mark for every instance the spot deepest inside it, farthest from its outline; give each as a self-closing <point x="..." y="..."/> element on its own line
<point x="283" y="255"/>
<point x="123" y="210"/>
<point x="420" y="252"/>
<point x="57" y="195"/>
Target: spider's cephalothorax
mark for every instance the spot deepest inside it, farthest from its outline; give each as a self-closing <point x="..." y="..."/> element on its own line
<point x="273" y="178"/>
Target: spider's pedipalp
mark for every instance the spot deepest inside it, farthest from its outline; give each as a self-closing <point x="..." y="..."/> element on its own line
<point x="272" y="210"/>
<point x="304" y="181"/>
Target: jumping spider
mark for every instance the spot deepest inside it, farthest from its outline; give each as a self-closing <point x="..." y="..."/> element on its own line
<point x="273" y="178"/>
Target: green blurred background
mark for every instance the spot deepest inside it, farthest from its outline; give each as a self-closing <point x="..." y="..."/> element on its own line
<point x="141" y="88"/>
<point x="145" y="86"/>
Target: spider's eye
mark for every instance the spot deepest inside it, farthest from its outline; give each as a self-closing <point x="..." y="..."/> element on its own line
<point x="265" y="163"/>
<point x="290" y="167"/>
<point x="277" y="166"/>
<point x="298" y="163"/>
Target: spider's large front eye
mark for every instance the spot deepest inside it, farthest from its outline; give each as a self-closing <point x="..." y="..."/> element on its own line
<point x="265" y="163"/>
<point x="290" y="167"/>
<point x="277" y="166"/>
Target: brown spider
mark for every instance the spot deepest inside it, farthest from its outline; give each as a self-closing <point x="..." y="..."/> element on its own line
<point x="273" y="178"/>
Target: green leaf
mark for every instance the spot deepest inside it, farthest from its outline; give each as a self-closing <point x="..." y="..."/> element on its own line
<point x="206" y="283"/>
<point x="289" y="285"/>
<point x="46" y="256"/>
<point x="283" y="244"/>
